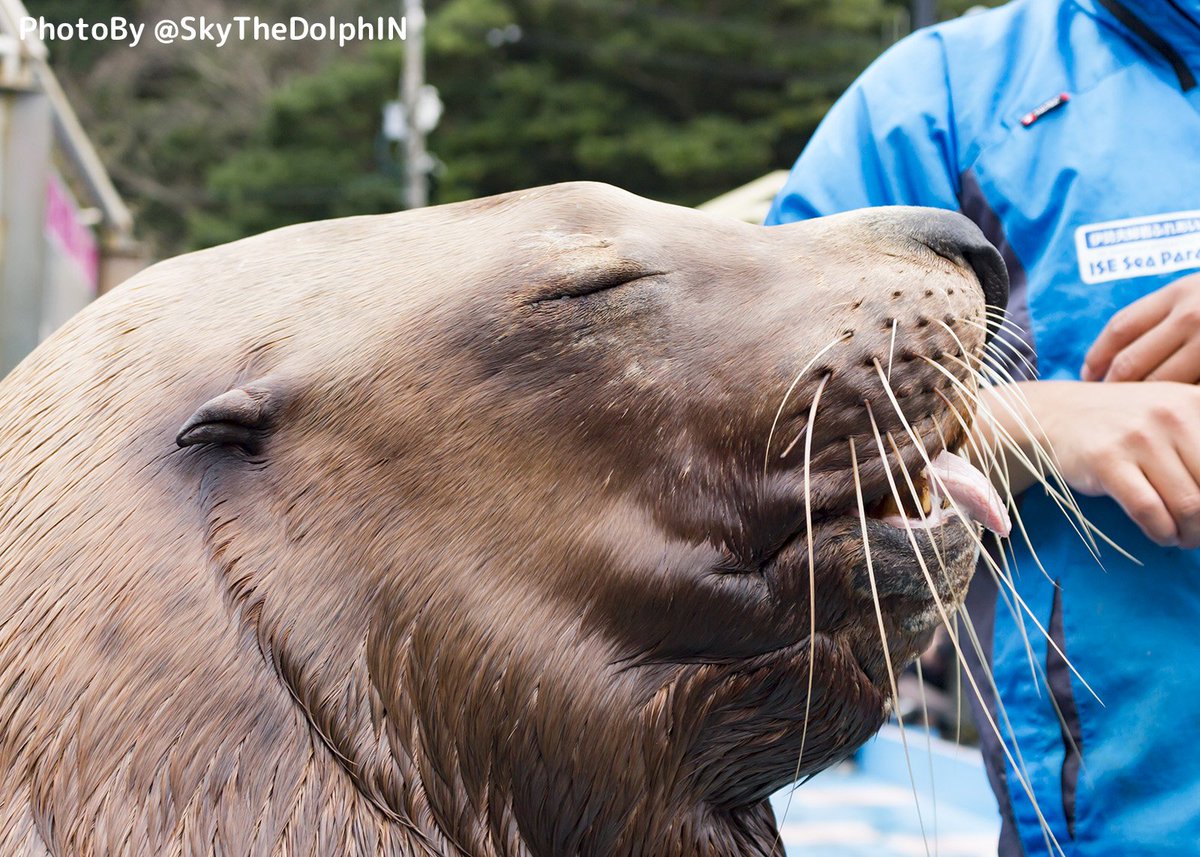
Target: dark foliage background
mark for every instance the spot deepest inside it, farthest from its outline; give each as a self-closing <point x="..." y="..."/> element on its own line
<point x="678" y="100"/>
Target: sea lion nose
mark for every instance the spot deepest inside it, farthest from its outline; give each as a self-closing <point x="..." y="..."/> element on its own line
<point x="956" y="238"/>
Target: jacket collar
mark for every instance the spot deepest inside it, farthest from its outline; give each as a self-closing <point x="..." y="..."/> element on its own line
<point x="1175" y="22"/>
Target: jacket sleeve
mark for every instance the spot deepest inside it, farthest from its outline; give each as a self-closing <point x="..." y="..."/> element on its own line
<point x="889" y="140"/>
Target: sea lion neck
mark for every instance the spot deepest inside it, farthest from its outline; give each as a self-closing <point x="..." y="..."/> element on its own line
<point x="511" y="724"/>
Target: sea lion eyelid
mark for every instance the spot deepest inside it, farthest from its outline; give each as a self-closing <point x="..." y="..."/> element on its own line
<point x="592" y="283"/>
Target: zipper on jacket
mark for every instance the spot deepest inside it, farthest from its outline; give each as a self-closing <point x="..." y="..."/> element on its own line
<point x="1187" y="80"/>
<point x="1184" y="13"/>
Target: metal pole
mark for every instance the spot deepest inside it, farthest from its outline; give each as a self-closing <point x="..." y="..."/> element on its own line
<point x="924" y="13"/>
<point x="416" y="159"/>
<point x="25" y="148"/>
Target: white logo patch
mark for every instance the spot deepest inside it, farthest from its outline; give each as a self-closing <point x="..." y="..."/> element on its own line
<point x="1138" y="246"/>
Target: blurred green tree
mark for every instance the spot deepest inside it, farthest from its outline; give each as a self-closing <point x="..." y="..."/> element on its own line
<point x="678" y="100"/>
<point x="317" y="153"/>
<point x="674" y="99"/>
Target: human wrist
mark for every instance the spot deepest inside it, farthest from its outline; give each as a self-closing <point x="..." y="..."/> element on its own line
<point x="1011" y="431"/>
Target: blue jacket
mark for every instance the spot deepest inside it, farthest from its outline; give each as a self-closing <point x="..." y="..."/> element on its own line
<point x="1070" y="132"/>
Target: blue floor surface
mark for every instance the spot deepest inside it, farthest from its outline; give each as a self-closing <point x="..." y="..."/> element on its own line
<point x="868" y="809"/>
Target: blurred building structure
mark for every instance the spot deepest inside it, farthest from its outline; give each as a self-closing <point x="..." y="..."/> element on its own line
<point x="65" y="233"/>
<point x="750" y="202"/>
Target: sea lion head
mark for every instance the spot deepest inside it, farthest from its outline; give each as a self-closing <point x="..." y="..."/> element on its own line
<point x="562" y="515"/>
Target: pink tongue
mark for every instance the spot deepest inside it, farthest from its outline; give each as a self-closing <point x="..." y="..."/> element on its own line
<point x="970" y="491"/>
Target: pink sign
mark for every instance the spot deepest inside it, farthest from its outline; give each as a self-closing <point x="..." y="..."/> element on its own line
<point x="65" y="224"/>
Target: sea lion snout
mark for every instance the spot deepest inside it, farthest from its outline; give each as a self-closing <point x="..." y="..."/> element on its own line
<point x="954" y="237"/>
<point x="900" y="232"/>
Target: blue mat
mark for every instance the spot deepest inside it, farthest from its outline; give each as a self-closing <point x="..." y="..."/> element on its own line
<point x="867" y="809"/>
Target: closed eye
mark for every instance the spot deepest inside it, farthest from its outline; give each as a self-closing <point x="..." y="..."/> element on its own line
<point x="591" y="283"/>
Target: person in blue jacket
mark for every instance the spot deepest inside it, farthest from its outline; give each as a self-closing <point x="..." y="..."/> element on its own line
<point x="1069" y="131"/>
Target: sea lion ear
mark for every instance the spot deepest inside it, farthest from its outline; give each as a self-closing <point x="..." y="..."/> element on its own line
<point x="239" y="417"/>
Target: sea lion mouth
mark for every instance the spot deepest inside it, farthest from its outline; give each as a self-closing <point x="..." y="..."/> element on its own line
<point x="949" y="487"/>
<point x="912" y="528"/>
<point x="918" y="542"/>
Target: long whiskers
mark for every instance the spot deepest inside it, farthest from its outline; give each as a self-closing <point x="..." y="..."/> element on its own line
<point x="998" y="342"/>
<point x="986" y="457"/>
<point x="1010" y="395"/>
<point x="887" y="656"/>
<point x="987" y="557"/>
<point x="1041" y="455"/>
<point x="1019" y="763"/>
<point x="1037" y="671"/>
<point x="993" y="370"/>
<point x="1065" y="501"/>
<point x="1003" y="577"/>
<point x="1018" y="768"/>
<point x="985" y="369"/>
<point x="812" y="584"/>
<point x="1062" y="498"/>
<point x="787" y="395"/>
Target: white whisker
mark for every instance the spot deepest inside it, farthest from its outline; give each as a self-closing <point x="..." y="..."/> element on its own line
<point x="1064" y="498"/>
<point x="934" y="475"/>
<point x="787" y="395"/>
<point x="812" y="585"/>
<point x="887" y="656"/>
<point x="1018" y="768"/>
<point x="891" y="351"/>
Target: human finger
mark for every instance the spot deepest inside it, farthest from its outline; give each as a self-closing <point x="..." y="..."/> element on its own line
<point x="1182" y="366"/>
<point x="1176" y="486"/>
<point x="1122" y="329"/>
<point x="1129" y="486"/>
<point x="1149" y="351"/>
<point x="1184" y="425"/>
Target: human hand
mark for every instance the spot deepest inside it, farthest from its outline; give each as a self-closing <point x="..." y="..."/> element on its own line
<point x="1137" y="443"/>
<point x="1156" y="338"/>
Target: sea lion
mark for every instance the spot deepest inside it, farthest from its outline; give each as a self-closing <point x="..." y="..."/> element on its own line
<point x="477" y="530"/>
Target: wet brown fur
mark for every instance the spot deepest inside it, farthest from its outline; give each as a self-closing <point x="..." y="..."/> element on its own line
<point x="499" y="573"/>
